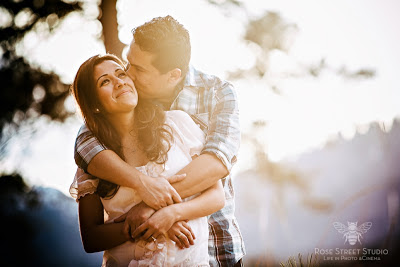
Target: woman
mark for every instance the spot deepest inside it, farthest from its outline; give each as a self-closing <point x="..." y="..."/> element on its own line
<point x="156" y="143"/>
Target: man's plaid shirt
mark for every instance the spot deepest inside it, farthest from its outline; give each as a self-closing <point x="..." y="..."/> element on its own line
<point x="212" y="104"/>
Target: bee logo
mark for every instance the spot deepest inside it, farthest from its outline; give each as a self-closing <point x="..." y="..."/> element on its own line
<point x="352" y="232"/>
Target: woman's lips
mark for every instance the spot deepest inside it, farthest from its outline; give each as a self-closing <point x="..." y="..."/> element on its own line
<point x="123" y="92"/>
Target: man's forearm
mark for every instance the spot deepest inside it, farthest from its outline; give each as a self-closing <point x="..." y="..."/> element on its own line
<point x="156" y="193"/>
<point x="108" y="166"/>
<point x="203" y="172"/>
<point x="209" y="201"/>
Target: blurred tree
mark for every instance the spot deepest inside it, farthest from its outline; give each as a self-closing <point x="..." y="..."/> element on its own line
<point x="226" y="3"/>
<point x="228" y="7"/>
<point x="271" y="32"/>
<point x="281" y="175"/>
<point x="108" y="19"/>
<point x="27" y="92"/>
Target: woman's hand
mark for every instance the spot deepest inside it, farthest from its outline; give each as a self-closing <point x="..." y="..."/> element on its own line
<point x="158" y="224"/>
<point x="137" y="215"/>
<point x="181" y="234"/>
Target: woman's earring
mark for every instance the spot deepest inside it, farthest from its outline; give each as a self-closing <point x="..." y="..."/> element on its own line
<point x="96" y="110"/>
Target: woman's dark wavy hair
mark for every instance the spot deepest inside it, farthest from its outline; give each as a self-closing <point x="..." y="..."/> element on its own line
<point x="154" y="135"/>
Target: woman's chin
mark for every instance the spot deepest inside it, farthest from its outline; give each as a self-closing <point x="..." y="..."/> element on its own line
<point x="129" y="105"/>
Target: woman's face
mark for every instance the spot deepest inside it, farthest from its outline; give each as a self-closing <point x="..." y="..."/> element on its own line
<point x="115" y="90"/>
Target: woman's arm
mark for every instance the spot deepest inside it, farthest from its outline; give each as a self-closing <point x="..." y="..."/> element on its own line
<point x="208" y="202"/>
<point x="97" y="236"/>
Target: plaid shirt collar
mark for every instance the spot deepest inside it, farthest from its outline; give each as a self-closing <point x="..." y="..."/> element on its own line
<point x="193" y="78"/>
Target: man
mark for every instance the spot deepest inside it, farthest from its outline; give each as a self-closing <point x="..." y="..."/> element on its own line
<point x="159" y="57"/>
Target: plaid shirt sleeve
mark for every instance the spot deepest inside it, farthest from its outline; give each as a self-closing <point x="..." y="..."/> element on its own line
<point x="223" y="138"/>
<point x="86" y="147"/>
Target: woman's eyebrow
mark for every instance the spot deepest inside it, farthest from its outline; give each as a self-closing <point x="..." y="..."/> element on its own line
<point x="100" y="77"/>
<point x="105" y="74"/>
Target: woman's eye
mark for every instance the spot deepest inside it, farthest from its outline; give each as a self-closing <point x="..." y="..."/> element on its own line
<point x="122" y="74"/>
<point x="105" y="81"/>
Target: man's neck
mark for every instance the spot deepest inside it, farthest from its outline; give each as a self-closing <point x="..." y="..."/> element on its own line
<point x="167" y="101"/>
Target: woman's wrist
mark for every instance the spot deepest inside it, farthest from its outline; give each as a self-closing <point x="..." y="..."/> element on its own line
<point x="175" y="211"/>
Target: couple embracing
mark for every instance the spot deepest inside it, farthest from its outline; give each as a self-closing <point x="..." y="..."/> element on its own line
<point x="154" y="156"/>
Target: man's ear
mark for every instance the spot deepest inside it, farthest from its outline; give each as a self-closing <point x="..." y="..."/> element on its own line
<point x="175" y="75"/>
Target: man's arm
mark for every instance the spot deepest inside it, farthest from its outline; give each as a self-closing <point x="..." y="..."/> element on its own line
<point x="94" y="158"/>
<point x="155" y="192"/>
<point x="221" y="147"/>
<point x="203" y="172"/>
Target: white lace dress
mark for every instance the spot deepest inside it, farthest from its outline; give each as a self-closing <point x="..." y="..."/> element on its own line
<point x="188" y="141"/>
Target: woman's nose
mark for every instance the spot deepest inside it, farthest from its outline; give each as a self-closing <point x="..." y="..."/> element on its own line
<point x="119" y="82"/>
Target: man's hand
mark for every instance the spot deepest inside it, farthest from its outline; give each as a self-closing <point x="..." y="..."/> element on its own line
<point x="137" y="215"/>
<point x="158" y="192"/>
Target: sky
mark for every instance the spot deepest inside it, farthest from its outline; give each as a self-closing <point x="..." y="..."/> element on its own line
<point x="306" y="114"/>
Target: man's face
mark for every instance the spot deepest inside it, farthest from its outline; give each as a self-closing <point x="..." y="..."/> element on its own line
<point x="149" y="82"/>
